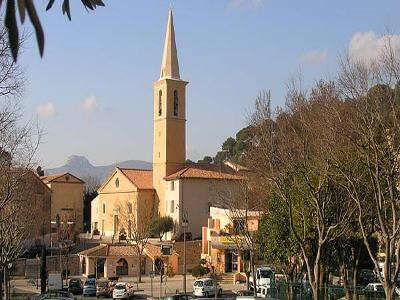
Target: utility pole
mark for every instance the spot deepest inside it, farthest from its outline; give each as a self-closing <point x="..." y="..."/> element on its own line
<point x="184" y="225"/>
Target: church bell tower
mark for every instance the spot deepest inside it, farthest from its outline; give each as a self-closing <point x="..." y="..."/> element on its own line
<point x="169" y="136"/>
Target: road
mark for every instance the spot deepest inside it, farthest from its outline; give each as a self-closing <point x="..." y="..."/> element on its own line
<point x="171" y="286"/>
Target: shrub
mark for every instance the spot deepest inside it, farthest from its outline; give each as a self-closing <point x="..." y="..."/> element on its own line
<point x="199" y="271"/>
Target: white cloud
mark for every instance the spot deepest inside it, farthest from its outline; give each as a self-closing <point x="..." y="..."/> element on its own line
<point x="367" y="46"/>
<point x="89" y="103"/>
<point x="313" y="57"/>
<point x="250" y="3"/>
<point x="46" y="110"/>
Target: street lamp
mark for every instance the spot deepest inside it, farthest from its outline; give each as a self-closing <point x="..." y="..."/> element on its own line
<point x="185" y="224"/>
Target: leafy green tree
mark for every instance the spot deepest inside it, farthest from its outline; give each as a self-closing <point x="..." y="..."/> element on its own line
<point x="277" y="244"/>
<point x="161" y="225"/>
<point x="206" y="160"/>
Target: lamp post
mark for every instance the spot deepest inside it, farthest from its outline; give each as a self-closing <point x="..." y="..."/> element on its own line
<point x="184" y="226"/>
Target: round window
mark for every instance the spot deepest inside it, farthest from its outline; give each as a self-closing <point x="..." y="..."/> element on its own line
<point x="117" y="182"/>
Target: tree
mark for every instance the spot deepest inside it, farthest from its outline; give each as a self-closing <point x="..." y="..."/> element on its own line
<point x="242" y="206"/>
<point x="28" y="6"/>
<point x="206" y="160"/>
<point x="373" y="135"/>
<point x="18" y="144"/>
<point x="136" y="221"/>
<point x="161" y="225"/>
<point x="90" y="192"/>
<point x="276" y="241"/>
<point x="43" y="271"/>
<point x="289" y="153"/>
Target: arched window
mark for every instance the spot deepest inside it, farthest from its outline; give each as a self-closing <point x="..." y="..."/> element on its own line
<point x="159" y="103"/>
<point x="176" y="101"/>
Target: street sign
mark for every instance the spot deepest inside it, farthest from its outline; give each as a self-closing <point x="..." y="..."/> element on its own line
<point x="166" y="250"/>
<point x="152" y="274"/>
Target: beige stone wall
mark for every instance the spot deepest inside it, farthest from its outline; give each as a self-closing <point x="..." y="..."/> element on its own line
<point x="67" y="195"/>
<point x="196" y="196"/>
<point x="113" y="201"/>
<point x="169" y="136"/>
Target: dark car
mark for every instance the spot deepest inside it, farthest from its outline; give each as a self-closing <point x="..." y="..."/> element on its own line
<point x="245" y="293"/>
<point x="103" y="289"/>
<point x="179" y="297"/>
<point x="75" y="286"/>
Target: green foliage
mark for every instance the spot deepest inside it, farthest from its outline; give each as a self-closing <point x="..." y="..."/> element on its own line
<point x="28" y="6"/>
<point x="200" y="270"/>
<point x="234" y="148"/>
<point x="276" y="241"/>
<point x="206" y="160"/>
<point x="161" y="225"/>
<point x="87" y="199"/>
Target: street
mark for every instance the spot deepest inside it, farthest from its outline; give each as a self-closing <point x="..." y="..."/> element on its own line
<point x="147" y="288"/>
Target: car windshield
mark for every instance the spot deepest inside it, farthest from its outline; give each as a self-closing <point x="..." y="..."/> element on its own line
<point x="90" y="283"/>
<point x="198" y="283"/>
<point x="120" y="287"/>
<point x="74" y="283"/>
<point x="266" y="273"/>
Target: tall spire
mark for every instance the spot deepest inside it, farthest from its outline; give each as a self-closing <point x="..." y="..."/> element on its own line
<point x="170" y="65"/>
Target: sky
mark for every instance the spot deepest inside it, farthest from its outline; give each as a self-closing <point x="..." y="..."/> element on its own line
<point x="92" y="90"/>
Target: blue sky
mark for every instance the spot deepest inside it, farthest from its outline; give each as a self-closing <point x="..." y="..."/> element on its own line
<point x="92" y="91"/>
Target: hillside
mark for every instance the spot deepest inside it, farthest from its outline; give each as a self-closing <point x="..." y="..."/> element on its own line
<point x="82" y="168"/>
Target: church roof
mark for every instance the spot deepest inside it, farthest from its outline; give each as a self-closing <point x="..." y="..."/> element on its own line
<point x="104" y="250"/>
<point x="142" y="179"/>
<point x="206" y="171"/>
<point x="170" y="64"/>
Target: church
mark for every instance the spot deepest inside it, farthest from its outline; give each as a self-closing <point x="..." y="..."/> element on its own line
<point x="184" y="191"/>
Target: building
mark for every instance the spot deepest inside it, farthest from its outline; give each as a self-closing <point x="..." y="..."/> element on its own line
<point x="173" y="187"/>
<point x="30" y="199"/>
<point x="221" y="245"/>
<point x="67" y="193"/>
<point x="125" y="190"/>
<point x="120" y="259"/>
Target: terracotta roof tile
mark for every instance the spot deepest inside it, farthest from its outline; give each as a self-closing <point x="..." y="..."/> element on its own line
<point x="143" y="179"/>
<point x="52" y="177"/>
<point x="121" y="250"/>
<point x="100" y="250"/>
<point x="206" y="171"/>
<point x="49" y="178"/>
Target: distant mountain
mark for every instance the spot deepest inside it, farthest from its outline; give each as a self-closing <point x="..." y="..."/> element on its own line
<point x="82" y="168"/>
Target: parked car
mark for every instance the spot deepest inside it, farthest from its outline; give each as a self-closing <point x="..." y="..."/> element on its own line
<point x="122" y="290"/>
<point x="89" y="288"/>
<point x="179" y="297"/>
<point x="374" y="290"/>
<point x="103" y="289"/>
<point x="245" y="293"/>
<point x="75" y="286"/>
<point x="51" y="295"/>
<point x="206" y="287"/>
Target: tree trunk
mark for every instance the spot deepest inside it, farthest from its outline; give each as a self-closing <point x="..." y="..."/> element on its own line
<point x="355" y="275"/>
<point x="6" y="295"/>
<point x="140" y="270"/>
<point x="1" y="284"/>
<point x="343" y="271"/>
